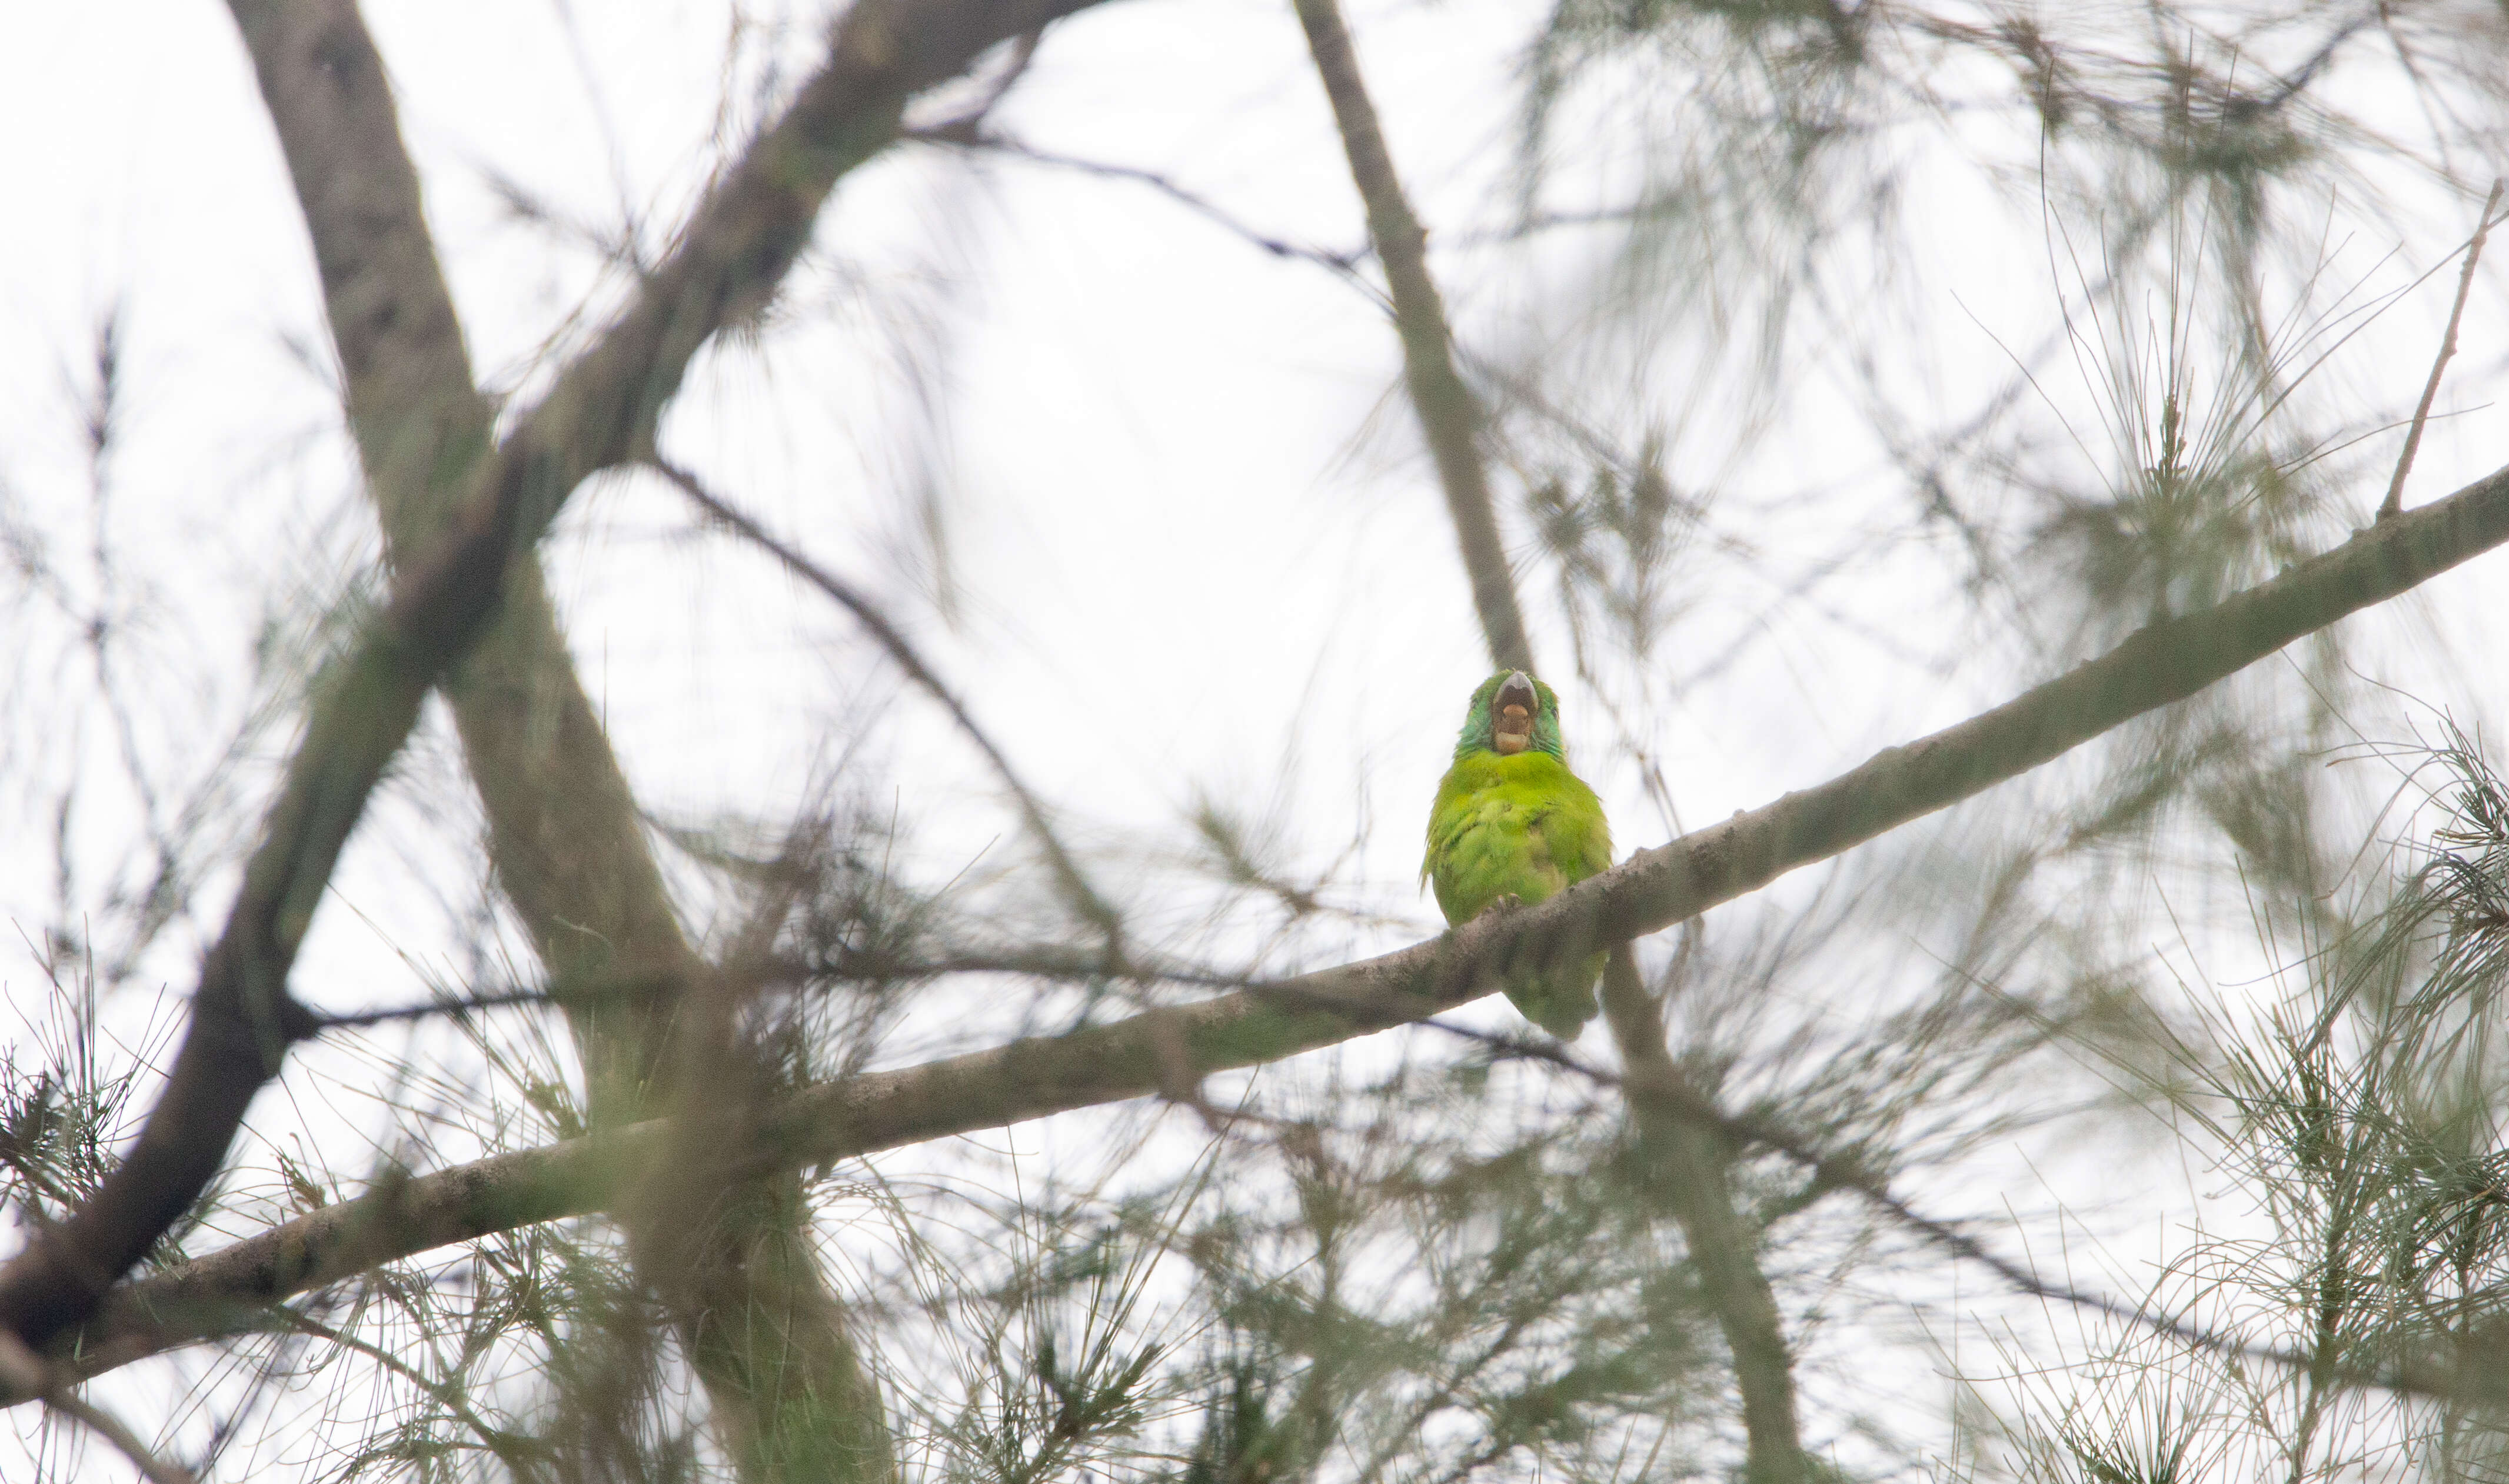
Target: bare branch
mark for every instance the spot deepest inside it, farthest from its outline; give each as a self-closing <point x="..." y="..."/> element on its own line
<point x="1652" y="890"/>
<point x="2447" y="347"/>
<point x="745" y="236"/>
<point x="1067" y="871"/>
<point x="1450" y="416"/>
<point x="1343" y="264"/>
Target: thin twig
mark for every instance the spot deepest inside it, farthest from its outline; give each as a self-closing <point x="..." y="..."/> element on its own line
<point x="962" y="135"/>
<point x="26" y="1375"/>
<point x="1051" y="962"/>
<point x="901" y="650"/>
<point x="639" y="987"/>
<point x="2395" y="500"/>
<point x="1662" y="1087"/>
<point x="498" y="1440"/>
<point x="1653" y="889"/>
<point x="972" y="120"/>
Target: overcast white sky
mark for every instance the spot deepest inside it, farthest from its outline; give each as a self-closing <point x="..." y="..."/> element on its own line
<point x="1191" y="543"/>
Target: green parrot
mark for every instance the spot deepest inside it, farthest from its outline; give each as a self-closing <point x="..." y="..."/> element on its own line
<point x="1511" y="822"/>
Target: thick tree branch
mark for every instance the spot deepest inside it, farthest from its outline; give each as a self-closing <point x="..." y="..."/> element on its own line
<point x="1652" y="890"/>
<point x="563" y="828"/>
<point x="564" y="834"/>
<point x="747" y="234"/>
<point x="1450" y="416"/>
<point x="564" y="831"/>
<point x="202" y="1299"/>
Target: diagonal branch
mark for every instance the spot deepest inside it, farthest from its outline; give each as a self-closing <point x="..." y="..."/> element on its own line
<point x="1067" y="871"/>
<point x="1135" y="1057"/>
<point x="564" y="834"/>
<point x="753" y="224"/>
<point x="1450" y="416"/>
<point x="745" y="236"/>
<point x="2483" y="225"/>
<point x="565" y="837"/>
<point x="242" y="1018"/>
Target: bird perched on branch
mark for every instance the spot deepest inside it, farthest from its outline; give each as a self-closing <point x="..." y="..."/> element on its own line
<point x="1513" y="824"/>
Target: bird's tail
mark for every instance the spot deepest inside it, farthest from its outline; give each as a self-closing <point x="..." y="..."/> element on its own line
<point x="1560" y="1003"/>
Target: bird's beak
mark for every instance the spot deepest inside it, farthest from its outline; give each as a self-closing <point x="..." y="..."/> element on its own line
<point x="1511" y="713"/>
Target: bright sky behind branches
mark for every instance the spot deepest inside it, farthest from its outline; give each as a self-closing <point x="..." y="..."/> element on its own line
<point x="1146" y="492"/>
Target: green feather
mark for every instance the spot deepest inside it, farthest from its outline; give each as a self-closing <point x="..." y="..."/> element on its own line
<point x="1520" y="826"/>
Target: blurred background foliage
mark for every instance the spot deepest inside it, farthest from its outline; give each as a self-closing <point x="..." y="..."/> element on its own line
<point x="1845" y="368"/>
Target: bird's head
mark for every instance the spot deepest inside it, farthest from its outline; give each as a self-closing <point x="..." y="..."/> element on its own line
<point x="1511" y="713"/>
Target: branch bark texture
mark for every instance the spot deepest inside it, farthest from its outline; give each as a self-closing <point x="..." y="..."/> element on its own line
<point x="565" y="835"/>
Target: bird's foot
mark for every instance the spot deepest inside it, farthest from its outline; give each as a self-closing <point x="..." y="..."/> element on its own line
<point x="1503" y="905"/>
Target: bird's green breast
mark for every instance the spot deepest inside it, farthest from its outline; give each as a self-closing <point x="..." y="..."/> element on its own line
<point x="1521" y="825"/>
